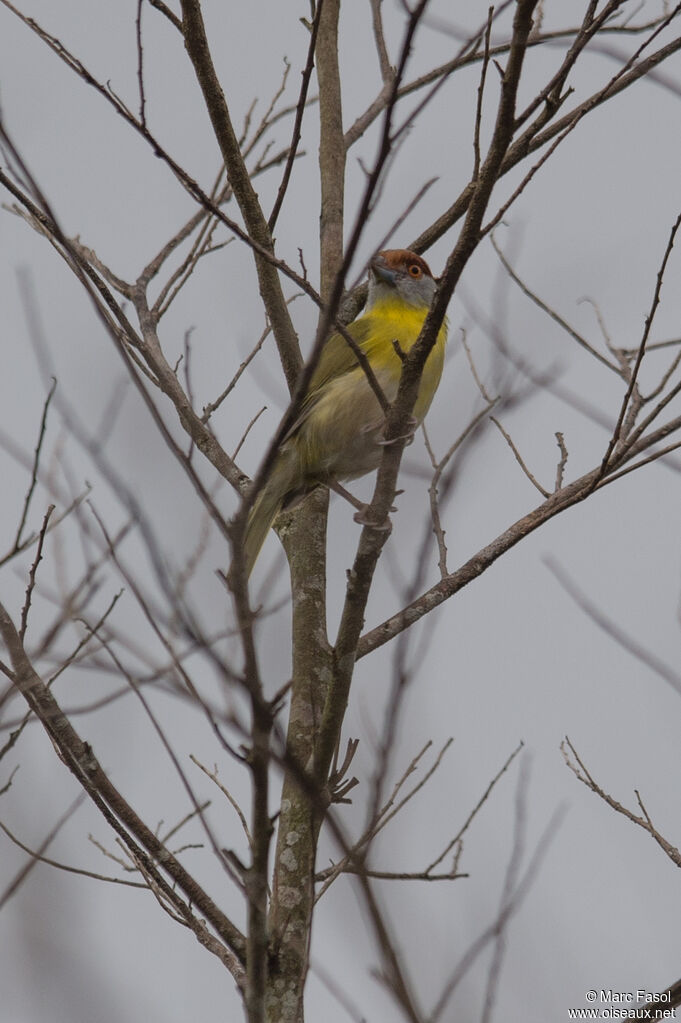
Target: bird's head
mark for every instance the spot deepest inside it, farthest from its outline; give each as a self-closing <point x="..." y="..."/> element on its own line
<point x="402" y="273"/>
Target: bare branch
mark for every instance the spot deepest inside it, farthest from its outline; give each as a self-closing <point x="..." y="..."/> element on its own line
<point x="577" y="767"/>
<point x="79" y="758"/>
<point x="196" y="43"/>
<point x="456" y="841"/>
<point x="164" y="9"/>
<point x="518" y="457"/>
<point x="38" y="855"/>
<point x="36" y="464"/>
<point x="579" y="338"/>
<point x="212" y="406"/>
<point x="372" y="540"/>
<point x="354" y="859"/>
<point x="32" y="573"/>
<point x="560" y="468"/>
<point x="621" y="636"/>
<point x="481" y="93"/>
<point x="617" y="435"/>
<point x="386" y="67"/>
<point x="140" y="63"/>
<point x="509" y="907"/>
<point x="568" y="496"/>
<point x="213" y="775"/>
<point x="537" y="135"/>
<point x="297" y="124"/>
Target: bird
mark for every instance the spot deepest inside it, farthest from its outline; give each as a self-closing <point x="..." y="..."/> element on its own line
<point x="338" y="434"/>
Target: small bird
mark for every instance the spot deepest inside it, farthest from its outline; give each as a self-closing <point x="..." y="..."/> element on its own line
<point x="339" y="432"/>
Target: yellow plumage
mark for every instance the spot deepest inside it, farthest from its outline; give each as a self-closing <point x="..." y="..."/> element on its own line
<point x="340" y="428"/>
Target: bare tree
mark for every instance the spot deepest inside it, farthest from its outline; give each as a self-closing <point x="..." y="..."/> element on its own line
<point x="522" y="87"/>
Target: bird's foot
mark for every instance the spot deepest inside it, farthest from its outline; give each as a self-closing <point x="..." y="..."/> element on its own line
<point x="407" y="437"/>
<point x="342" y="492"/>
<point x="354" y="501"/>
<point x="363" y="518"/>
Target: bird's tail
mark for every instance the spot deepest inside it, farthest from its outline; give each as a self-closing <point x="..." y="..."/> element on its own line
<point x="268" y="504"/>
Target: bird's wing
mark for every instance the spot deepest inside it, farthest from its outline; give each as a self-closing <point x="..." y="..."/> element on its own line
<point x="336" y="360"/>
<point x="337" y="356"/>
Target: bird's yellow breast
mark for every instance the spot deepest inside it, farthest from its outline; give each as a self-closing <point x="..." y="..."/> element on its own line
<point x="394" y="326"/>
<point x="340" y="435"/>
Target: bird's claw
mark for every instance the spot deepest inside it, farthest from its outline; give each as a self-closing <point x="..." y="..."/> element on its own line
<point x="407" y="437"/>
<point x="363" y="519"/>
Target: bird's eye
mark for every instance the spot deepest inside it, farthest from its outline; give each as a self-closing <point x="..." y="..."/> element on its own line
<point x="414" y="270"/>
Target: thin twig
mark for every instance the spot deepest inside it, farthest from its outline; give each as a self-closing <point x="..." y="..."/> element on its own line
<point x="617" y="432"/>
<point x="621" y="636"/>
<point x="297" y="124"/>
<point x="248" y="429"/>
<point x="519" y="458"/>
<point x="664" y="379"/>
<point x="469" y="356"/>
<point x="354" y="857"/>
<point x="507" y="910"/>
<point x="618" y="353"/>
<point x="641" y="462"/>
<point x="202" y="246"/>
<point x="212" y="406"/>
<point x="32" y="573"/>
<point x="213" y="775"/>
<point x="36" y="465"/>
<point x="476" y="809"/>
<point x="579" y="338"/>
<point x="164" y="9"/>
<point x="38" y="854"/>
<point x="433" y="497"/>
<point x="576" y="765"/>
<point x="387" y="70"/>
<point x="392" y="230"/>
<point x="196" y="812"/>
<point x="481" y="93"/>
<point x="562" y="463"/>
<point x="140" y="64"/>
<point x="8" y="784"/>
<point x="39" y="858"/>
<point x="81" y="761"/>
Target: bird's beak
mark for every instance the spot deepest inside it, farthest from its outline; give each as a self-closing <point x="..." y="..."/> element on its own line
<point x="381" y="270"/>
